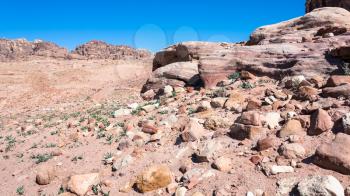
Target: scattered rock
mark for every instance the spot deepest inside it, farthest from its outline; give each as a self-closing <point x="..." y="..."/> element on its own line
<point x="241" y="132"/>
<point x="276" y="169"/>
<point x="206" y="151"/>
<point x="250" y="118"/>
<point x="334" y="81"/>
<point x="335" y="155"/>
<point x="292" y="127"/>
<point x="338" y="91"/>
<point x="320" y="122"/>
<point x="80" y="184"/>
<point x="223" y="164"/>
<point x="293" y="151"/>
<point x="266" y="143"/>
<point x="45" y="174"/>
<point x="193" y="131"/>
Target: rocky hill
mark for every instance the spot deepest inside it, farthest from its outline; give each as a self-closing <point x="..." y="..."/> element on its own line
<point x="102" y="50"/>
<point x="21" y="49"/>
<point x="313" y="4"/>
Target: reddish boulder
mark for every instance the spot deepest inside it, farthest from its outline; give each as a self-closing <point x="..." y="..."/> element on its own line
<point x="336" y="155"/>
<point x="320" y="122"/>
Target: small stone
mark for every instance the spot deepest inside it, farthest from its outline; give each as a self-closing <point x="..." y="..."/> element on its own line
<point x="153" y="178"/>
<point x="193" y="131"/>
<point x="198" y="194"/>
<point x="150" y="129"/>
<point x="181" y="191"/>
<point x="218" y="102"/>
<point x="127" y="160"/>
<point x="249" y="193"/>
<point x="206" y="151"/>
<point x="308" y="93"/>
<point x="204" y="106"/>
<point x="149" y="108"/>
<point x="292" y="127"/>
<point x="318" y="81"/>
<point x="148" y="95"/>
<point x="234" y="101"/>
<point x="292" y="151"/>
<point x="45" y="174"/>
<point x="241" y="132"/>
<point x="171" y="188"/>
<point x="320" y="185"/>
<point x="250" y="118"/>
<point x="223" y="164"/>
<point x="253" y="104"/>
<point x="122" y="112"/>
<point x="265" y="143"/>
<point x="168" y="90"/>
<point x="80" y="184"/>
<point x="276" y="169"/>
<point x="216" y="122"/>
<point x="320" y="122"/>
<point x="272" y="119"/>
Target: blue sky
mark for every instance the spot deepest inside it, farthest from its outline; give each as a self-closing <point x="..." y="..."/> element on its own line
<point x="151" y="24"/>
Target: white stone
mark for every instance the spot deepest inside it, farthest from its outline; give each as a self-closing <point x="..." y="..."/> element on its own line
<point x="181" y="191"/>
<point x="121" y="112"/>
<point x="276" y="169"/>
<point x="320" y="185"/>
<point x="272" y="120"/>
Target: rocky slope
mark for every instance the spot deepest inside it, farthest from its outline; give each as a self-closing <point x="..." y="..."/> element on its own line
<point x="313" y="4"/>
<point x="21" y="49"/>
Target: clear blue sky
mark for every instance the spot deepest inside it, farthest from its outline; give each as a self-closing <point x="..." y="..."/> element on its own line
<point x="151" y="24"/>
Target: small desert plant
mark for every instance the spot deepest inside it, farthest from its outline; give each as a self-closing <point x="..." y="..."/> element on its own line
<point x="247" y="85"/>
<point x="11" y="142"/>
<point x="40" y="158"/>
<point x="345" y="67"/>
<point x="20" y="190"/>
<point x="234" y="76"/>
<point x="61" y="190"/>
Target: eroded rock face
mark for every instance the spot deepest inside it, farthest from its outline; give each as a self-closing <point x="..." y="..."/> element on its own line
<point x="300" y="46"/>
<point x="303" y="29"/>
<point x="313" y="4"/>
<point x="102" y="50"/>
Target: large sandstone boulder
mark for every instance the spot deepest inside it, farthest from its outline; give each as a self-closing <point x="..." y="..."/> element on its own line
<point x="296" y="47"/>
<point x="102" y="50"/>
<point x="313" y="4"/>
<point x="336" y="155"/>
<point x="183" y="72"/>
